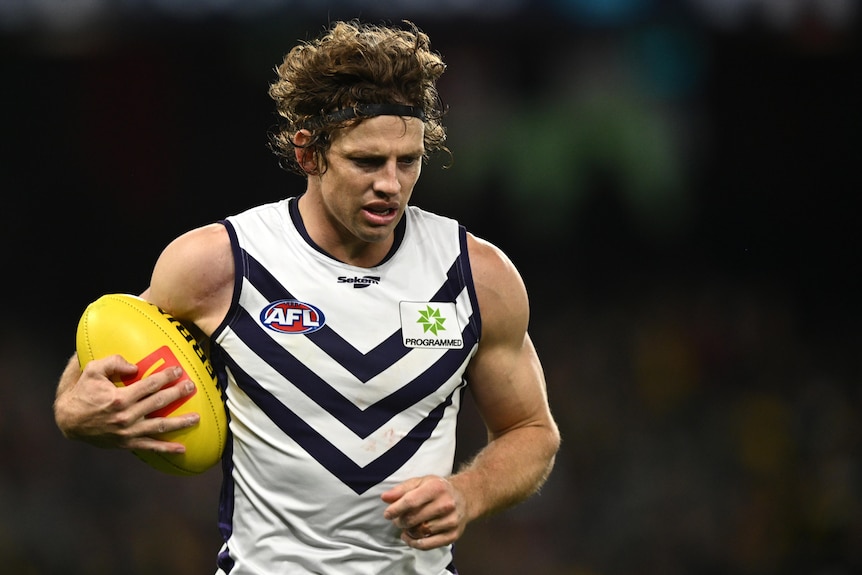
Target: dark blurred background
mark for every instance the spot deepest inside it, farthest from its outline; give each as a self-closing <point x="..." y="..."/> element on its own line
<point x="678" y="182"/>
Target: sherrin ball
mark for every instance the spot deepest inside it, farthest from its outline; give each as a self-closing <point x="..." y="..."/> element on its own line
<point x="153" y="340"/>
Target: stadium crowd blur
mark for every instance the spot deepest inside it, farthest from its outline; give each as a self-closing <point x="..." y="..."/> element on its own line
<point x="677" y="180"/>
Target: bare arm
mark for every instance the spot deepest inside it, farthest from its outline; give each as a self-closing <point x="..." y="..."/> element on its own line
<point x="508" y="384"/>
<point x="89" y="407"/>
<point x="192" y="280"/>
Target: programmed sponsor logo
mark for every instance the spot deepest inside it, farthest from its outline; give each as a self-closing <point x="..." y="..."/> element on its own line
<point x="430" y="325"/>
<point x="359" y="282"/>
<point x="292" y="316"/>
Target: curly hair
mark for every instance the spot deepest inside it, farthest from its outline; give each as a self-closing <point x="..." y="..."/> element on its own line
<point x="354" y="64"/>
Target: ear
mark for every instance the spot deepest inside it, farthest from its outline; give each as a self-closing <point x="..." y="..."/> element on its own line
<point x="305" y="157"/>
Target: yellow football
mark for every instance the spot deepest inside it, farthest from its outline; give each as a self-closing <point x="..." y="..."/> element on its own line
<point x="152" y="339"/>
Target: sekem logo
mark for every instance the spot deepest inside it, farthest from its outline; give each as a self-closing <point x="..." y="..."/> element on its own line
<point x="359" y="282"/>
<point x="292" y="316"/>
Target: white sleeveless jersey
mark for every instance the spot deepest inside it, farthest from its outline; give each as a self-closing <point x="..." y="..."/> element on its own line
<point x="340" y="382"/>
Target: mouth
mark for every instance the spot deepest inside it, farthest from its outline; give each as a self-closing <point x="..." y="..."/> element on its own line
<point x="380" y="215"/>
<point x="381" y="211"/>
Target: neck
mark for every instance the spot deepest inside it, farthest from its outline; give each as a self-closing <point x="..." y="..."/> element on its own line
<point x="329" y="237"/>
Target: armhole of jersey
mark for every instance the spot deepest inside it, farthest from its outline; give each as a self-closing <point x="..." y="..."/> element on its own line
<point x="238" y="275"/>
<point x="467" y="275"/>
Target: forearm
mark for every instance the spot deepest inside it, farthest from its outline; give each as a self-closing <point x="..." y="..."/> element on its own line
<point x="69" y="376"/>
<point x="511" y="468"/>
<point x="68" y="379"/>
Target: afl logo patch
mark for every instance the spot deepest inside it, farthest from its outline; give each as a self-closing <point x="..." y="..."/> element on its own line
<point x="292" y="316"/>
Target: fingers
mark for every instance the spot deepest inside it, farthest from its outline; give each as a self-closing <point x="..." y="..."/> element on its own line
<point x="395" y="493"/>
<point x="423" y="536"/>
<point x="425" y="510"/>
<point x="115" y="368"/>
<point x="150" y="395"/>
<point x="409" y="499"/>
<point x="145" y="443"/>
<point x="156" y="391"/>
<point x="112" y="365"/>
<point x="431" y="533"/>
<point x="147" y="395"/>
<point x="95" y="410"/>
<point x="421" y="531"/>
<point x="144" y="429"/>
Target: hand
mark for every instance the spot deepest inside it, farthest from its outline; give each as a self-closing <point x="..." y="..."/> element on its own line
<point x="91" y="408"/>
<point x="429" y="510"/>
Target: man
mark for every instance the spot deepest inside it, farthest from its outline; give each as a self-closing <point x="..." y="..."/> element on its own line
<point x="345" y="324"/>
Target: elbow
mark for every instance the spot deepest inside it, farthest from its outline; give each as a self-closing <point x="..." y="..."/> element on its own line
<point x="553" y="438"/>
<point x="60" y="420"/>
<point x="553" y="441"/>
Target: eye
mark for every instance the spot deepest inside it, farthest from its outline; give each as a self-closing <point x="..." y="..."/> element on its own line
<point x="367" y="162"/>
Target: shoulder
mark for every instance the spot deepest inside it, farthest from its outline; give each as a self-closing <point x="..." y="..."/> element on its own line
<point x="209" y="240"/>
<point x="491" y="265"/>
<point x="500" y="289"/>
<point x="193" y="276"/>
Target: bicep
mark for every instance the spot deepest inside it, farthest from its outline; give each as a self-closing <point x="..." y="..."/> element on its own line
<point x="505" y="375"/>
<point x="508" y="387"/>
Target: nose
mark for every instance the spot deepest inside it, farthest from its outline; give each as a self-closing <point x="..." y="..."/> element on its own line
<point x="387" y="181"/>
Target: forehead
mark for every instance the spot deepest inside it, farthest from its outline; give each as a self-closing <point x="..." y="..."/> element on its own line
<point x="382" y="135"/>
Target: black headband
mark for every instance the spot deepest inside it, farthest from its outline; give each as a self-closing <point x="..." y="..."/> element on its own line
<point x="366" y="111"/>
